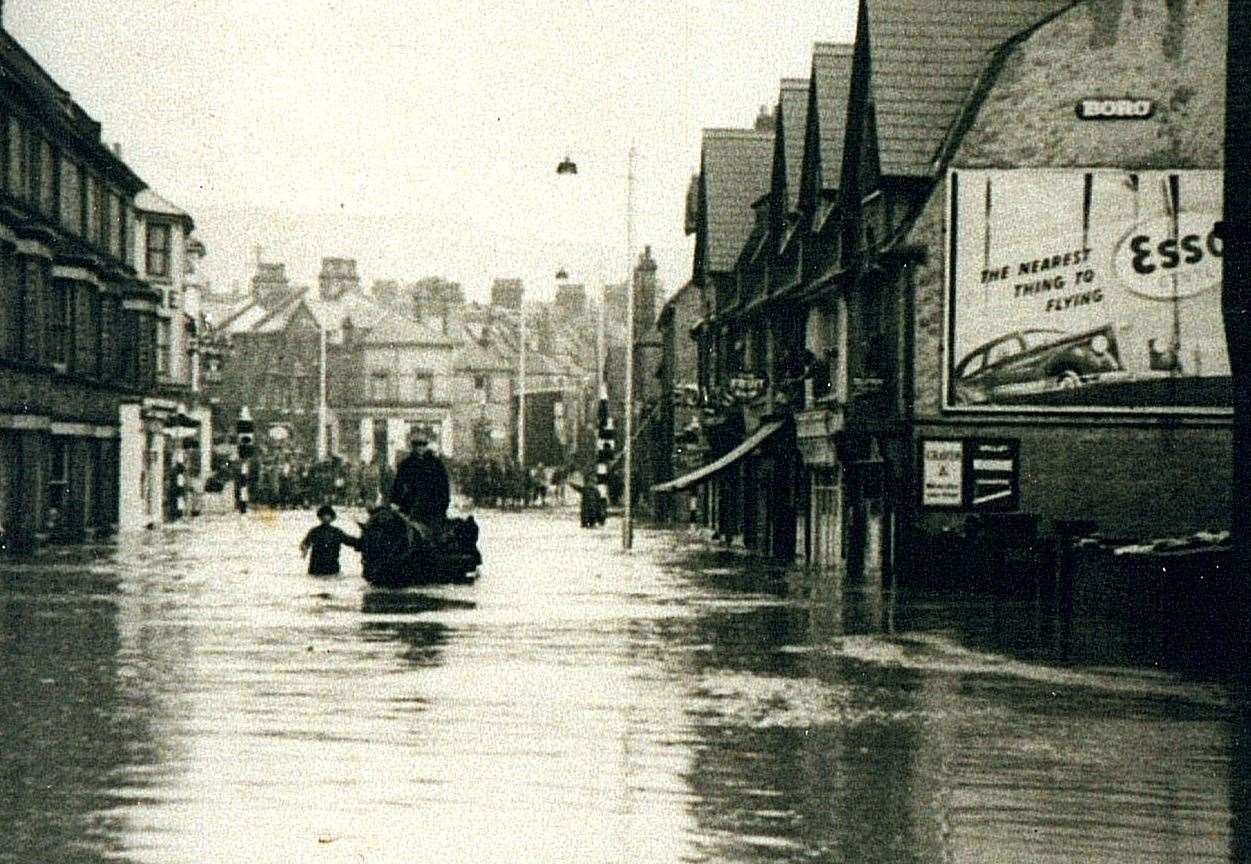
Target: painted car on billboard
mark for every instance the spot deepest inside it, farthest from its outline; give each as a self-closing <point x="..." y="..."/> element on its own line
<point x="1030" y="361"/>
<point x="1085" y="290"/>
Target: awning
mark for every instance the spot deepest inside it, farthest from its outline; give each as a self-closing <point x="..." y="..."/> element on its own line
<point x="753" y="441"/>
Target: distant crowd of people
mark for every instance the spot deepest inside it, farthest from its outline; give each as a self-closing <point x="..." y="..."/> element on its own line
<point x="293" y="483"/>
<point x="299" y="484"/>
<point x="504" y="483"/>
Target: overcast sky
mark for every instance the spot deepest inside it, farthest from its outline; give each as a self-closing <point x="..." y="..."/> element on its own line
<point x="422" y="137"/>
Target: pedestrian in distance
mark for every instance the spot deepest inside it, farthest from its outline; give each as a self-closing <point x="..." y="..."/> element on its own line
<point x="324" y="541"/>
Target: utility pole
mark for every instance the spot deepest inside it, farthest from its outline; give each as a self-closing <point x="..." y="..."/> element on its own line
<point x="1236" y="275"/>
<point x="323" y="445"/>
<point x="627" y="520"/>
<point x="521" y="392"/>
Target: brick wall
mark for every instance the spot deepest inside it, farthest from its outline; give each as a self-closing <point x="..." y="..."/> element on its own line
<point x="1153" y="475"/>
<point x="1133" y="481"/>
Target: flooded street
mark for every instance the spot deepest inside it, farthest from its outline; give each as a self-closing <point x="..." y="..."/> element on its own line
<point x="191" y="695"/>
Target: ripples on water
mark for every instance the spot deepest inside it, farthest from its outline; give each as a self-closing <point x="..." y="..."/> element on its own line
<point x="190" y="695"/>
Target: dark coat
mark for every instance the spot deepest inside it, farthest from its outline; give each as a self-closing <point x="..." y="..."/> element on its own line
<point x="422" y="489"/>
<point x="324" y="541"/>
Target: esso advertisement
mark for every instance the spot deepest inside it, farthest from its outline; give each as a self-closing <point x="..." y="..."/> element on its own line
<point x="1169" y="257"/>
<point x="1086" y="290"/>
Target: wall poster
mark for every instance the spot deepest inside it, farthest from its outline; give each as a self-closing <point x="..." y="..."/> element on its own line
<point x="1085" y="290"/>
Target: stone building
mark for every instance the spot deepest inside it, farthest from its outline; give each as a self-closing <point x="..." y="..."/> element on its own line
<point x="403" y="378"/>
<point x="166" y="254"/>
<point x="77" y="324"/>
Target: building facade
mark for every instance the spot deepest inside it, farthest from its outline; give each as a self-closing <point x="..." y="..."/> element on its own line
<point x="977" y="326"/>
<point x="77" y="324"/>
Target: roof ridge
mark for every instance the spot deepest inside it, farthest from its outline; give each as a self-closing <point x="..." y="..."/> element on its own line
<point x="832" y="48"/>
<point x="725" y="132"/>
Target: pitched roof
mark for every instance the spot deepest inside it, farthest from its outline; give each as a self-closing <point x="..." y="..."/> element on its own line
<point x="393" y="329"/>
<point x="150" y="202"/>
<point x="793" y="100"/>
<point x="736" y="165"/>
<point x="926" y="57"/>
<point x="474" y="357"/>
<point x="831" y="78"/>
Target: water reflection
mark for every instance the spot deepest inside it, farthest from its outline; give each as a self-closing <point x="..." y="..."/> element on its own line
<point x="172" y="700"/>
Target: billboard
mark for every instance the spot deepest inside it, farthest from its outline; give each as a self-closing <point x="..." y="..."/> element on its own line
<point x="1085" y="290"/>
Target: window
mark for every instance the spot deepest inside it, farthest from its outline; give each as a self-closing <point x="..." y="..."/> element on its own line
<point x="16" y="162"/>
<point x="117" y="224"/>
<point x="91" y="208"/>
<point x="71" y="197"/>
<point x="423" y="387"/>
<point x="1003" y="350"/>
<point x="482" y="388"/>
<point x="48" y="177"/>
<point x="12" y="304"/>
<point x="158" y="265"/>
<point x="102" y="215"/>
<point x="30" y="154"/>
<point x="58" y="476"/>
<point x="162" y="348"/>
<point x="379" y="384"/>
<point x="60" y="323"/>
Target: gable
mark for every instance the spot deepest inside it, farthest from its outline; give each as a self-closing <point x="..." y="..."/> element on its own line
<point x="926" y="57"/>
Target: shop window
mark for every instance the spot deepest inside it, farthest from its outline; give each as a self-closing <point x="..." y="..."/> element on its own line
<point x="158" y="264"/>
<point x="58" y="479"/>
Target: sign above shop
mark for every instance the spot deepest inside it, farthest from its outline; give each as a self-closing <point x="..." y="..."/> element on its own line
<point x="1124" y="108"/>
<point x="745" y="388"/>
<point x="971" y="474"/>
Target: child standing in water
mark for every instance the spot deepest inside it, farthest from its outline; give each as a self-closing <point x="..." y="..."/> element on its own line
<point x="324" y="540"/>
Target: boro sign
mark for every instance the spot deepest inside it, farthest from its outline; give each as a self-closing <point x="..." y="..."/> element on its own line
<point x="1124" y="108"/>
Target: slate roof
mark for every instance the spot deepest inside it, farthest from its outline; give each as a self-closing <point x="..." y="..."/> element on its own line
<point x="397" y="330"/>
<point x="926" y="57"/>
<point x="472" y="357"/>
<point x="793" y="100"/>
<point x="831" y="77"/>
<point x="736" y="169"/>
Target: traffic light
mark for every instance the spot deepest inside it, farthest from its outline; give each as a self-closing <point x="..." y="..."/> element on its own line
<point x="245" y="440"/>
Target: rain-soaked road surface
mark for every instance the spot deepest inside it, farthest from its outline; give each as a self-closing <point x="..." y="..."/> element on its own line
<point x="191" y="696"/>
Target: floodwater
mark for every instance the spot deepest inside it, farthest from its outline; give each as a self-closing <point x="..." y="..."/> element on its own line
<point x="190" y="696"/>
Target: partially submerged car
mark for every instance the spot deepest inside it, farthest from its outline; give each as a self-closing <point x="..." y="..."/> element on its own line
<point x="1036" y="361"/>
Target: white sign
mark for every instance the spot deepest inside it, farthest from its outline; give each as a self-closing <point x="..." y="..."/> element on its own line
<point x="942" y="473"/>
<point x="1085" y="290"/>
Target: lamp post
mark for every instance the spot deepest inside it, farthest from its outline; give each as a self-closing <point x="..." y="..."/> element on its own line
<point x="568" y="167"/>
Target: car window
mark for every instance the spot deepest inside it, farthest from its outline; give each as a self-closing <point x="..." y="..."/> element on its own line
<point x="1035" y="338"/>
<point x="973" y="364"/>
<point x="1001" y="351"/>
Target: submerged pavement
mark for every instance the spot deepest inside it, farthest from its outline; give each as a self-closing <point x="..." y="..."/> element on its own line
<point x="190" y="695"/>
